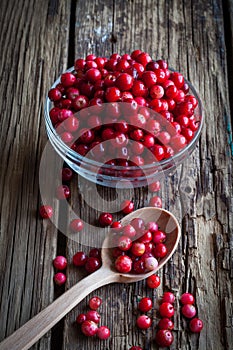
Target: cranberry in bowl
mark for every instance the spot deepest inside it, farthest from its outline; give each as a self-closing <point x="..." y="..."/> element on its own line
<point x="123" y="121"/>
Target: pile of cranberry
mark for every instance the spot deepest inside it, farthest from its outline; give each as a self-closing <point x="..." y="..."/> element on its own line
<point x="90" y="320"/>
<point x="142" y="109"/>
<point x="138" y="246"/>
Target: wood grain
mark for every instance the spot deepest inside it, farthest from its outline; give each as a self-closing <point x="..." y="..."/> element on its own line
<point x="38" y="40"/>
<point x="31" y="41"/>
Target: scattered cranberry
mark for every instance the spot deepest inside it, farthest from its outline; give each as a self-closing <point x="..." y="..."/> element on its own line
<point x="89" y="328"/>
<point x="80" y="259"/>
<point x="123" y="264"/>
<point x="103" y="332"/>
<point x="46" y="211"/>
<point x="67" y="174"/>
<point x="105" y="219"/>
<point x="166" y="310"/>
<point x="145" y="304"/>
<point x="76" y="225"/>
<point x="153" y="281"/>
<point x="92" y="264"/>
<point x="116" y="226"/>
<point x="60" y="262"/>
<point x="187" y="298"/>
<point x="127" y="206"/>
<point x="95" y="302"/>
<point x="166" y="323"/>
<point x="63" y="192"/>
<point x="188" y="310"/>
<point x="154" y="186"/>
<point x="155" y="202"/>
<point x="81" y="318"/>
<point x="144" y="322"/>
<point x="93" y="315"/>
<point x="196" y="325"/>
<point x="168" y="297"/>
<point x="164" y="338"/>
<point x="95" y="253"/>
<point x="59" y="278"/>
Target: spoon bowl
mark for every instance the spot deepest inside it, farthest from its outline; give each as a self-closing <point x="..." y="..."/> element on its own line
<point x="34" y="329"/>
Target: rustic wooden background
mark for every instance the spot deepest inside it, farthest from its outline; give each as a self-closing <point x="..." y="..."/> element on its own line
<point x="39" y="40"/>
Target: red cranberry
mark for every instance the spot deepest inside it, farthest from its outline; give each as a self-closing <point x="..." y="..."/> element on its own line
<point x="138" y="248"/>
<point x="164" y="338"/>
<point x="92" y="264"/>
<point x="80" y="102"/>
<point x="145" y="304"/>
<point x="79" y="64"/>
<point x="89" y="328"/>
<point x="103" y="332"/>
<point x="116" y="226"/>
<point x="55" y="94"/>
<point x="64" y="114"/>
<point x="93" y="315"/>
<point x="153" y="281"/>
<point x="166" y="323"/>
<point x="46" y="211"/>
<point x="67" y="174"/>
<point x="129" y="231"/>
<point x="138" y="224"/>
<point x="68" y="79"/>
<point x="95" y="302"/>
<point x="59" y="278"/>
<point x="144" y="322"/>
<point x="156" y="91"/>
<point x="60" y="262"/>
<point x="143" y="58"/>
<point x="93" y="75"/>
<point x="124" y="82"/>
<point x="166" y="310"/>
<point x="112" y="94"/>
<point x="159" y="237"/>
<point x="139" y="266"/>
<point x="151" y="263"/>
<point x="168" y="297"/>
<point x="139" y="89"/>
<point x="196" y="325"/>
<point x="63" y="192"/>
<point x="160" y="250"/>
<point x="149" y="78"/>
<point x="135" y="53"/>
<point x="178" y="79"/>
<point x="72" y="93"/>
<point x="155" y="202"/>
<point x="95" y="253"/>
<point x="105" y="219"/>
<point x="124" y="243"/>
<point x="67" y="137"/>
<point x="187" y="298"/>
<point x="80" y="259"/>
<point x="76" y="225"/>
<point x="123" y="264"/>
<point x="135" y="348"/>
<point x="127" y="206"/>
<point x="158" y="152"/>
<point x="81" y="318"/>
<point x="71" y="124"/>
<point x="152" y="227"/>
<point x="146" y="237"/>
<point x="188" y="310"/>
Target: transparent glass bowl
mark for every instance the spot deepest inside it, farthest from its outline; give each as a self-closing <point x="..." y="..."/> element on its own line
<point x="120" y="176"/>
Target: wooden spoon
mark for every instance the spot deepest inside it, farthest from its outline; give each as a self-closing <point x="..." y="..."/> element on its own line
<point x="34" y="329"/>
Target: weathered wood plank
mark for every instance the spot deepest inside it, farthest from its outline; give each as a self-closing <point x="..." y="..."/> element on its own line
<point x="33" y="42"/>
<point x="191" y="36"/>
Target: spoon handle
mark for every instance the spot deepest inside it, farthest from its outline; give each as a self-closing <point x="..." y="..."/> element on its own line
<point x="34" y="329"/>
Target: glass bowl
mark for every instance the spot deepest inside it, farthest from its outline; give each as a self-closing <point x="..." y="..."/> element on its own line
<point x="117" y="175"/>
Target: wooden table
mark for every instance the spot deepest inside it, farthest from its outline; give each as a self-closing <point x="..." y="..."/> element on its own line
<point x="39" y="40"/>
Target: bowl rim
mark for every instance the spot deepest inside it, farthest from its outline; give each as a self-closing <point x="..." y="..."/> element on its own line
<point x="82" y="159"/>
